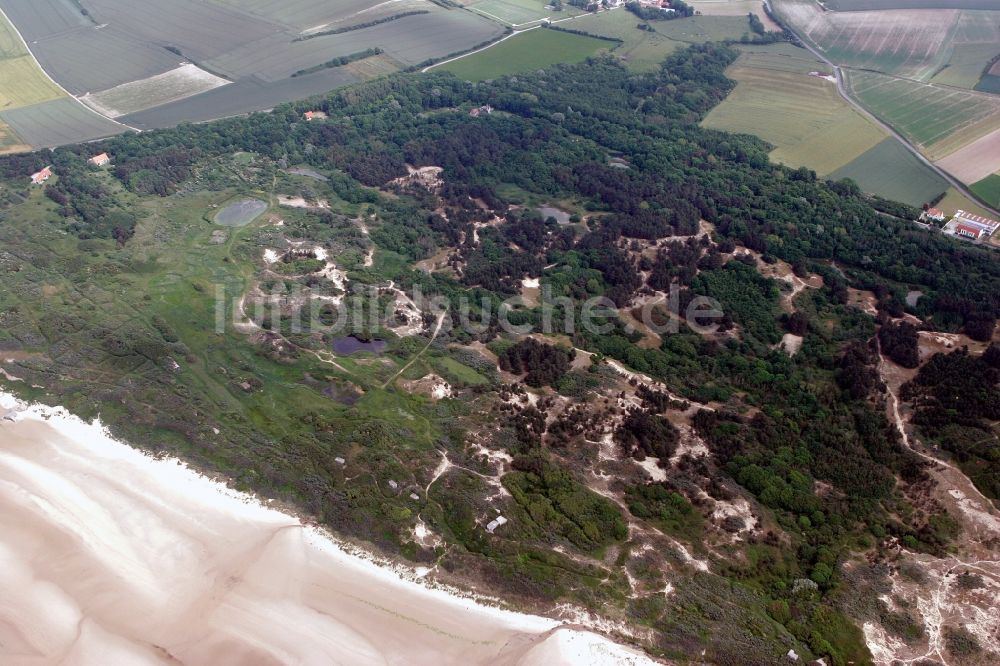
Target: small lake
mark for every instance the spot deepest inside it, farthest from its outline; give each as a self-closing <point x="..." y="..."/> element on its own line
<point x="350" y="344"/>
<point x="307" y="172"/>
<point x="562" y="217"/>
<point x="240" y="213"/>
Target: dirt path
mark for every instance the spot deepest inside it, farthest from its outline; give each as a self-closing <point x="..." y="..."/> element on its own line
<point x="938" y="601"/>
<point x="437" y="330"/>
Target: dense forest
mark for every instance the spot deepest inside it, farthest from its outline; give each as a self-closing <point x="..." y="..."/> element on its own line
<point x="779" y="427"/>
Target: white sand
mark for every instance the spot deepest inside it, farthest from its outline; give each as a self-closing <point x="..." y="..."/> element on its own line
<point x="108" y="556"/>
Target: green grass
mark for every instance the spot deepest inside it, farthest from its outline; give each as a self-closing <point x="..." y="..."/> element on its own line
<point x="528" y="51"/>
<point x="989" y="189"/>
<point x="891" y="171"/>
<point x="458" y="373"/>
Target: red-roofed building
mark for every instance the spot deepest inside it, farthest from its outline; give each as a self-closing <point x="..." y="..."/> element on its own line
<point x="41" y="176"/>
<point x="982" y="224"/>
<point x="100" y="160"/>
<point x="967" y="231"/>
<point x="935" y="214"/>
<point x="314" y="115"/>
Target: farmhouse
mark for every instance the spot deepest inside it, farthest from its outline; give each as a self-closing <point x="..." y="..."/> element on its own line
<point x="314" y="115"/>
<point x="934" y="214"/>
<point x="41" y="176"/>
<point x="486" y="108"/>
<point x="100" y="160"/>
<point x="984" y="225"/>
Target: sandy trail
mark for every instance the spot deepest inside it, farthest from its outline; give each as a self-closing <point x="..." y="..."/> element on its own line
<point x="108" y="556"/>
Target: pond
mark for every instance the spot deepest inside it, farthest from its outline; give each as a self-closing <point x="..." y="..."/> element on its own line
<point x="240" y="213"/>
<point x="562" y="217"/>
<point x="350" y="344"/>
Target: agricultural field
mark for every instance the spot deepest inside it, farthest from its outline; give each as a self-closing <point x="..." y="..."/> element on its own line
<point x="989" y="189"/>
<point x="917" y="44"/>
<point x="965" y="67"/>
<point x="955" y="200"/>
<point x="801" y="115"/>
<point x="190" y="60"/>
<point x="518" y="12"/>
<point x="865" y="5"/>
<point x="939" y="120"/>
<point x="892" y="171"/>
<point x="641" y="50"/>
<point x="58" y="122"/>
<point x="21" y="82"/>
<point x="530" y="50"/>
<point x="10" y="142"/>
<point x="975" y="161"/>
<point x="735" y="8"/>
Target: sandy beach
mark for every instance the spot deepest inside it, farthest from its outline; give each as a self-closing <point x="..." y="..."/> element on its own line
<point x="109" y="556"/>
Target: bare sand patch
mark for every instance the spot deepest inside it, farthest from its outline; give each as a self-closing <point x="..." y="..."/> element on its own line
<point x="185" y="81"/>
<point x="109" y="556"/>
<point x="975" y="161"/>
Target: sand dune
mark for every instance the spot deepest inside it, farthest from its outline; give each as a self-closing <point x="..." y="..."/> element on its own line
<point x="108" y="556"/>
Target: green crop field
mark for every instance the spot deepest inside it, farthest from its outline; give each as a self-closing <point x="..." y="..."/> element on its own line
<point x="528" y="51"/>
<point x="940" y="120"/>
<point x="801" y="115"/>
<point x="892" y="171"/>
<point x="965" y="67"/>
<point x="22" y="82"/>
<point x="989" y="189"/>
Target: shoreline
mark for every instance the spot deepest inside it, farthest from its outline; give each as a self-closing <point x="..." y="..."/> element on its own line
<point x="92" y="520"/>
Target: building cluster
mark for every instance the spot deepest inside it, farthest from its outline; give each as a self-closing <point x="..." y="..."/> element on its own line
<point x="40" y="177"/>
<point x="974" y="227"/>
<point x="962" y="224"/>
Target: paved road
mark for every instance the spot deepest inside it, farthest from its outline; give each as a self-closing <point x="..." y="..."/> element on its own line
<point x="842" y="90"/>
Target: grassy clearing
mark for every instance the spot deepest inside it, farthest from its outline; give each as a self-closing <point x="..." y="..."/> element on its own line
<point x="989" y="189"/>
<point x="801" y="115"/>
<point x="892" y="171"/>
<point x="641" y="50"/>
<point x="22" y="82"/>
<point x="940" y="120"/>
<point x="531" y="50"/>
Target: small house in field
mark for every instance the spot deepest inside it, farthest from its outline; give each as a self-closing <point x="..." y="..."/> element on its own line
<point x="934" y="214"/>
<point x="41" y="176"/>
<point x="314" y="115"/>
<point x="100" y="160"/>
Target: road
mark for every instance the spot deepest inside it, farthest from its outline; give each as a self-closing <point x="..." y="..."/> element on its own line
<point x="842" y="90"/>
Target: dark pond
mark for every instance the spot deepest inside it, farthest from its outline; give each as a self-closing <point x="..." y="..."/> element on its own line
<point x="351" y="344"/>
